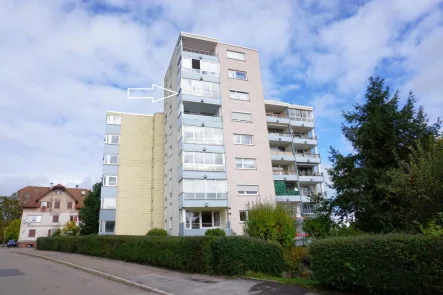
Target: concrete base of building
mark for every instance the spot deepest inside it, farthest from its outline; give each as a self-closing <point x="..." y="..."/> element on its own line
<point x="27" y="244"/>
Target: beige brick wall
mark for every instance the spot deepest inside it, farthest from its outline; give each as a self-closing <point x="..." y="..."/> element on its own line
<point x="138" y="189"/>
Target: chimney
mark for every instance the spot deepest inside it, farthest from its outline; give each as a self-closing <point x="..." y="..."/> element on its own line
<point x="51" y="184"/>
<point x="76" y="186"/>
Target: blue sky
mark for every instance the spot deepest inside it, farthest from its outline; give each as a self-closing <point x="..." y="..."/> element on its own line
<point x="65" y="63"/>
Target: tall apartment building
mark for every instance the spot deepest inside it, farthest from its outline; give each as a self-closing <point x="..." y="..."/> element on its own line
<point x="225" y="146"/>
<point x="132" y="192"/>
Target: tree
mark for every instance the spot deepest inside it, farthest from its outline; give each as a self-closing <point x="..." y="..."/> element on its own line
<point x="381" y="134"/>
<point x="10" y="208"/>
<point x="13" y="230"/>
<point x="89" y="214"/>
<point x="269" y="221"/>
<point x="70" y="229"/>
<point x="416" y="186"/>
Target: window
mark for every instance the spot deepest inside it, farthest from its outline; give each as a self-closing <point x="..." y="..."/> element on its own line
<point x="300" y="115"/>
<point x="241" y="117"/>
<point x="110" y="159"/>
<point x="204" y="189"/>
<point x="200" y="66"/>
<point x="202" y="135"/>
<point x="238" y="95"/>
<point x="110" y="181"/>
<point x="112" y="139"/>
<point x="242" y="163"/>
<point x="202" y="219"/>
<point x="57" y="204"/>
<point x="243" y="139"/>
<point x="115" y="120"/>
<point x="247" y="190"/>
<point x="69" y="205"/>
<point x="108" y="203"/>
<point x="236" y="55"/>
<point x="43" y="204"/>
<point x="203" y="161"/>
<point x="308" y="208"/>
<point x="54" y="218"/>
<point x="49" y="232"/>
<point x="31" y="233"/>
<point x="200" y="88"/>
<point x="107" y="226"/>
<point x="73" y="218"/>
<point x="243" y="215"/>
<point x="237" y="74"/>
<point x="34" y="218"/>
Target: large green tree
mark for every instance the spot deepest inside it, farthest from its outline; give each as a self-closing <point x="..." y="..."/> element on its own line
<point x="89" y="214"/>
<point x="381" y="134"/>
<point x="10" y="208"/>
<point x="12" y="231"/>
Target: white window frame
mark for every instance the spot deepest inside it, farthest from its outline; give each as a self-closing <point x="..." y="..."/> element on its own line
<point x="200" y="220"/>
<point x="109" y="138"/>
<point x="233" y="74"/>
<point x="203" y="166"/>
<point x="235" y="55"/>
<point x="234" y="94"/>
<point x="223" y="192"/>
<point x="106" y="180"/>
<point x="202" y="140"/>
<point x="103" y="227"/>
<point x="113" y="120"/>
<point x="43" y="204"/>
<point x="237" y="120"/>
<point x="107" y="159"/>
<point x="105" y="205"/>
<point x="242" y="160"/>
<point x="240" y="136"/>
<point x="34" y="218"/>
<point x="201" y="71"/>
<point x="245" y="192"/>
<point x="199" y="91"/>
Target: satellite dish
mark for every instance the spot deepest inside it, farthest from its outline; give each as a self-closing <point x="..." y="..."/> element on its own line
<point x="43" y="208"/>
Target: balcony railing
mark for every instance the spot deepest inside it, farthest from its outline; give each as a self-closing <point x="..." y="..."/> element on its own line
<point x="199" y="51"/>
<point x="203" y="141"/>
<point x="205" y="196"/>
<point x="280" y="134"/>
<point x="292" y="135"/>
<point x="203" y="167"/>
<point x="201" y="93"/>
<point x="308" y="155"/>
<point x="282" y="190"/>
<point x="309" y="173"/>
<point x="301" y="119"/>
<point x="198" y="71"/>
<point x="274" y="115"/>
<point x="203" y="116"/>
<point x="281" y="153"/>
<point x="288" y="172"/>
<point x="305" y="136"/>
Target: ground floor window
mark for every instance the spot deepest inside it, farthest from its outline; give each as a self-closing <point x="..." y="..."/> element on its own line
<point x="202" y="219"/>
<point x="107" y="226"/>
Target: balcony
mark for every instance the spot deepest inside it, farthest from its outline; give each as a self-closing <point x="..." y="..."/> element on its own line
<point x="209" y="201"/>
<point x="289" y="175"/>
<point x="301" y="123"/>
<point x="282" y="157"/>
<point x="284" y="193"/>
<point x="308" y="158"/>
<point x="198" y="53"/>
<point x="305" y="142"/>
<point x="280" y="137"/>
<point x="200" y="120"/>
<point x="277" y="118"/>
<point x="315" y="177"/>
<point x="191" y="96"/>
<point x="203" y="167"/>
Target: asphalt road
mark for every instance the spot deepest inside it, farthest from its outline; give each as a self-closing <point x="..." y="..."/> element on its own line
<point x="21" y="275"/>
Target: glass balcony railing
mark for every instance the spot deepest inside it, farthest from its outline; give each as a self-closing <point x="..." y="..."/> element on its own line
<point x="308" y="155"/>
<point x="309" y="173"/>
<point x="203" y="167"/>
<point x="200" y="93"/>
<point x="199" y="51"/>
<point x="301" y="119"/>
<point x="281" y="153"/>
<point x="203" y="141"/>
<point x="282" y="172"/>
<point x="275" y="115"/>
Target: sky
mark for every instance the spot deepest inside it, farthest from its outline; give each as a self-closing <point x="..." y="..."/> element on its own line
<point x="65" y="63"/>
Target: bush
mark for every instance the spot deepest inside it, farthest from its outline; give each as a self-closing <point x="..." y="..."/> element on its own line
<point x="270" y="222"/>
<point x="296" y="261"/>
<point x="380" y="264"/>
<point x="221" y="255"/>
<point x="157" y="232"/>
<point x="215" y="232"/>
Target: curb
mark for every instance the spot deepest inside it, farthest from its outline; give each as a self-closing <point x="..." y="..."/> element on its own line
<point x="98" y="273"/>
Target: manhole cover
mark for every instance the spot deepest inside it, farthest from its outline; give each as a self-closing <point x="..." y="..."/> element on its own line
<point x="10" y="272"/>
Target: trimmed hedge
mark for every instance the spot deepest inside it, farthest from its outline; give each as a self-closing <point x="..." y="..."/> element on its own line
<point x="215" y="232"/>
<point x="380" y="264"/>
<point x="220" y="255"/>
<point x="157" y="232"/>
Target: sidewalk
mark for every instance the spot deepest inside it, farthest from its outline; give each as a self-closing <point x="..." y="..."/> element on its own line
<point x="169" y="281"/>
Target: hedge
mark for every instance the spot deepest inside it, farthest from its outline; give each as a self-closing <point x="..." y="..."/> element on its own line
<point x="380" y="264"/>
<point x="209" y="255"/>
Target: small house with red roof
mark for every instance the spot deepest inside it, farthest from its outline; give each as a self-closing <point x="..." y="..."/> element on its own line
<point x="45" y="209"/>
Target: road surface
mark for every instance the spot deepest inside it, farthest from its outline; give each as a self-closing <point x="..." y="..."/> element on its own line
<point x="20" y="275"/>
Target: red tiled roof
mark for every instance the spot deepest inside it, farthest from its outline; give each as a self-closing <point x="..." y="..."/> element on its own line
<point x="30" y="195"/>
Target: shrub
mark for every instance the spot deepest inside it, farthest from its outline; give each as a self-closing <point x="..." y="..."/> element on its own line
<point x="70" y="229"/>
<point x="296" y="260"/>
<point x="157" y="232"/>
<point x="222" y="255"/>
<point x="381" y="264"/>
<point x="270" y="222"/>
<point x="215" y="232"/>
